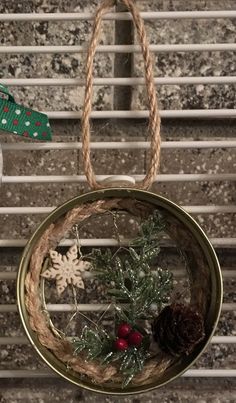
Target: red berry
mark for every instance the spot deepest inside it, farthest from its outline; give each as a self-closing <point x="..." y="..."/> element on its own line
<point x="135" y="339"/>
<point x="121" y="344"/>
<point x="124" y="330"/>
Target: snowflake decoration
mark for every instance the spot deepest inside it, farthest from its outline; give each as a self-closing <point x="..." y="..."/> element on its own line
<point x="66" y="269"/>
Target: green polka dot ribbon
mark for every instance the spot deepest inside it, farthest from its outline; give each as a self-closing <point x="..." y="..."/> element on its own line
<point x="21" y="120"/>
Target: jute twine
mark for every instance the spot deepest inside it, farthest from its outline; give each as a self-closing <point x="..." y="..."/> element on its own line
<point x="154" y="117"/>
<point x="38" y="318"/>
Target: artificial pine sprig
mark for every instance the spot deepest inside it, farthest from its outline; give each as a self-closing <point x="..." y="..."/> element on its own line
<point x="150" y="231"/>
<point x="135" y="286"/>
<point x="130" y="278"/>
<point x="95" y="343"/>
<point x="132" y="281"/>
<point x="131" y="361"/>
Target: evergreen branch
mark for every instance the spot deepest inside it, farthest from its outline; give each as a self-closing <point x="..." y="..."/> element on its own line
<point x="122" y="274"/>
<point x="133" y="363"/>
<point x="98" y="345"/>
<point x="150" y="230"/>
<point x="94" y="343"/>
<point x="133" y="294"/>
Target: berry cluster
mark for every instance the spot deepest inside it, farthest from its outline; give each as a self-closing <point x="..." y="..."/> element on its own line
<point x="127" y="337"/>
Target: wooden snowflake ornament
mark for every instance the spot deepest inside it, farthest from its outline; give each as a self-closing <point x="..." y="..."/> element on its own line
<point x="66" y="269"/>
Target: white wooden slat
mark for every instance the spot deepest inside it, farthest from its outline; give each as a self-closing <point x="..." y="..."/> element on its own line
<point x="223" y="340"/>
<point x="190" y="209"/>
<point x="20" y="243"/>
<point x="82" y="179"/>
<point x="146" y="15"/>
<point x="167" y="48"/>
<point x="22" y="340"/>
<point x="220" y="80"/>
<point x="223" y="242"/>
<point x="121" y="145"/>
<point x="5" y="275"/>
<point x="6" y="308"/>
<point x="191" y="373"/>
<point x="211" y="373"/>
<point x="174" y="113"/>
<point x="26" y="373"/>
<point x="226" y="273"/>
<point x="11" y="340"/>
<point x="210" y="209"/>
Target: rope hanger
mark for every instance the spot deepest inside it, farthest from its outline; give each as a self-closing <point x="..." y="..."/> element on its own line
<point x="154" y="116"/>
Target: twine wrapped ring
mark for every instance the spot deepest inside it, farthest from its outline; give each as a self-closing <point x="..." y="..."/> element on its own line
<point x="39" y="318"/>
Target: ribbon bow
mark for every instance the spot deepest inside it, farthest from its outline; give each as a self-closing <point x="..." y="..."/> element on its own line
<point x="21" y="120"/>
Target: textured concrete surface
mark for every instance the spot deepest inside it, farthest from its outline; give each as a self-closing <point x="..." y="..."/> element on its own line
<point x="123" y="162"/>
<point x="70" y="65"/>
<point x="182" y="391"/>
<point x="191" y="63"/>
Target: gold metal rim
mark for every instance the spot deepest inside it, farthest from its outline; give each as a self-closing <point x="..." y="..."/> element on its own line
<point x="216" y="278"/>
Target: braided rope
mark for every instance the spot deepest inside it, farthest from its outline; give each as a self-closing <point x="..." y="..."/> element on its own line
<point x="154" y="117"/>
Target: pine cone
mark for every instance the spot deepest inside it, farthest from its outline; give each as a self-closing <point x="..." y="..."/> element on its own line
<point x="178" y="329"/>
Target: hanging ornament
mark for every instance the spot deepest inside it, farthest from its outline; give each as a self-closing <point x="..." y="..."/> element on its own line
<point x="124" y="284"/>
<point x="18" y="119"/>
